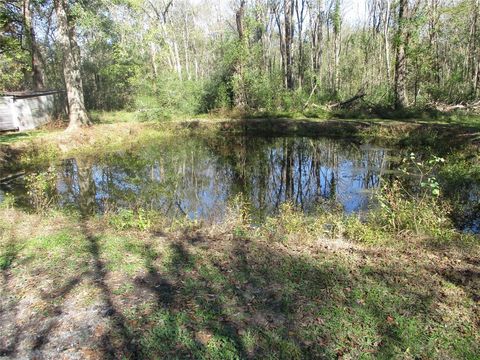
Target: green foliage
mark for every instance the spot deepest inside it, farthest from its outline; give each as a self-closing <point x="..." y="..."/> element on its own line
<point x="41" y="189"/>
<point x="110" y="85"/>
<point x="292" y="225"/>
<point x="39" y="154"/>
<point x="13" y="66"/>
<point x="336" y="17"/>
<point x="365" y="232"/>
<point x="417" y="209"/>
<point x="167" y="98"/>
<point x="406" y="210"/>
<point x="7" y="201"/>
<point x="6" y="259"/>
<point x="129" y="219"/>
<point x="218" y="92"/>
<point x="420" y="213"/>
<point x="14" y="59"/>
<point x="241" y="73"/>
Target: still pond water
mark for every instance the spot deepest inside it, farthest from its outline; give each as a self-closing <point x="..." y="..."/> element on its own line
<point x="198" y="177"/>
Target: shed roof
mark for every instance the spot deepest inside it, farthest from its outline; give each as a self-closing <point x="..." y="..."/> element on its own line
<point x="29" y="93"/>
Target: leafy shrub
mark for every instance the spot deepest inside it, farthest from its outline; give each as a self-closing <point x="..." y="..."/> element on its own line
<point x="364" y="232"/>
<point x="37" y="155"/>
<point x="402" y="211"/>
<point x="168" y="97"/>
<point x="129" y="219"/>
<point x="291" y="224"/>
<point x="7" y="202"/>
<point x="419" y="209"/>
<point x="41" y="189"/>
<point x="414" y="210"/>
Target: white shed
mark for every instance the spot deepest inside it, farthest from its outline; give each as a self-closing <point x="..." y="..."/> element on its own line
<point x="21" y="111"/>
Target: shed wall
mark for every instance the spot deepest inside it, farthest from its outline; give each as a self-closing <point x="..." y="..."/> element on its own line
<point x="8" y="119"/>
<point x="26" y="113"/>
<point x="34" y="111"/>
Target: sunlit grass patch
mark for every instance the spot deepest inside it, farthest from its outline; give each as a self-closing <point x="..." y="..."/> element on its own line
<point x="12" y="137"/>
<point x="112" y="117"/>
<point x="124" y="254"/>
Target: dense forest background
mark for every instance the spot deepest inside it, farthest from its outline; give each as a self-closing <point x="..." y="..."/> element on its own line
<point x="171" y="57"/>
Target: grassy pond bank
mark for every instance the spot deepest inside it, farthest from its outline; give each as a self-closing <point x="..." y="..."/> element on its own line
<point x="237" y="239"/>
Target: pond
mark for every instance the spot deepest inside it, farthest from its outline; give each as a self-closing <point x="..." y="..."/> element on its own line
<point x="199" y="177"/>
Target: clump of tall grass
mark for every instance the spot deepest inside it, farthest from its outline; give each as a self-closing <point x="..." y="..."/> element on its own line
<point x="39" y="153"/>
<point x="41" y="189"/>
<point x="7" y="202"/>
<point x="292" y="224"/>
<point x="130" y="219"/>
<point x="409" y="206"/>
<point x="418" y="208"/>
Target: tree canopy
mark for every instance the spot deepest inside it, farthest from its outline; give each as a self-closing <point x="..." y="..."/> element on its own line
<point x="169" y="57"/>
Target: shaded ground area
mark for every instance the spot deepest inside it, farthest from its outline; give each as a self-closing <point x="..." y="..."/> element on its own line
<point x="75" y="289"/>
<point x="394" y="131"/>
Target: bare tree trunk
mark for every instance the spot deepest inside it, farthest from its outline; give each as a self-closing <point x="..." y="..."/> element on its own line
<point x="178" y="65"/>
<point x="38" y="73"/>
<point x="288" y="9"/>
<point x="300" y="12"/>
<point x="283" y="53"/>
<point x="196" y="68"/>
<point x="186" y="39"/>
<point x="153" y="56"/>
<point x="473" y="48"/>
<point x="400" y="90"/>
<point x="239" y="15"/>
<point x="433" y="39"/>
<point x="386" y="42"/>
<point x="240" y="95"/>
<point x="317" y="39"/>
<point x="71" y="69"/>
<point x="336" y="45"/>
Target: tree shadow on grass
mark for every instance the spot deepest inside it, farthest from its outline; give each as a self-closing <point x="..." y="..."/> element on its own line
<point x="253" y="299"/>
<point x="293" y="304"/>
<point x="224" y="297"/>
<point x="8" y="255"/>
<point x="120" y="342"/>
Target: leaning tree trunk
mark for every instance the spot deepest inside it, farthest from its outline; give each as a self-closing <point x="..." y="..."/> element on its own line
<point x="401" y="59"/>
<point x="71" y="69"/>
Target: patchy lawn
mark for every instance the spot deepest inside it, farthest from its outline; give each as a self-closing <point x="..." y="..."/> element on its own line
<point x="79" y="289"/>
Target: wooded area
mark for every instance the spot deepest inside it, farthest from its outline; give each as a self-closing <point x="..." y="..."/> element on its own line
<point x="189" y="57"/>
<point x="315" y="196"/>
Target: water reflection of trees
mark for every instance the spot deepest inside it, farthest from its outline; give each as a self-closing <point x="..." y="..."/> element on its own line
<point x="300" y="170"/>
<point x="197" y="177"/>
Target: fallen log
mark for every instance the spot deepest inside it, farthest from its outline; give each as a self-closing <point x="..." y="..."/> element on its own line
<point x="11" y="177"/>
<point x="310" y="97"/>
<point x="450" y="107"/>
<point x="345" y="103"/>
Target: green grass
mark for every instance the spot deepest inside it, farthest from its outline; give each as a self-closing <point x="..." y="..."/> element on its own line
<point x="119" y="130"/>
<point x="297" y="286"/>
<point x="254" y="294"/>
<point x="379" y="116"/>
<point x="13" y="137"/>
<point x="113" y="117"/>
